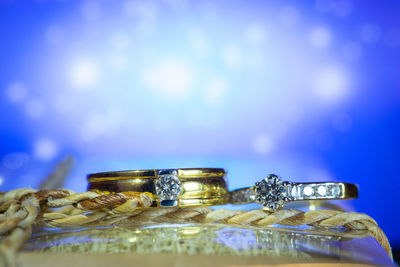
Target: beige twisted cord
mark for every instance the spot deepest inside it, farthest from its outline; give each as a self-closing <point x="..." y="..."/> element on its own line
<point x="21" y="208"/>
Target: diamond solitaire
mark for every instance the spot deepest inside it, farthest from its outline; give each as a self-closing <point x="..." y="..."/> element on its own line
<point x="272" y="192"/>
<point x="168" y="188"/>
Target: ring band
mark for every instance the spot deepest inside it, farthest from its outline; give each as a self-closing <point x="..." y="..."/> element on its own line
<point x="186" y="187"/>
<point x="273" y="193"/>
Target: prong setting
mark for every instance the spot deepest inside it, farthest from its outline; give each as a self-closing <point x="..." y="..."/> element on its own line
<point x="272" y="192"/>
<point x="168" y="188"/>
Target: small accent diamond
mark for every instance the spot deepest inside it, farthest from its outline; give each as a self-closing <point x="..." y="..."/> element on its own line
<point x="168" y="187"/>
<point x="308" y="191"/>
<point x="272" y="192"/>
<point x="321" y="190"/>
<point x="336" y="191"/>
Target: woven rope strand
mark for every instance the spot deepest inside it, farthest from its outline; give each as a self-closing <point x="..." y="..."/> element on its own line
<point x="21" y="208"/>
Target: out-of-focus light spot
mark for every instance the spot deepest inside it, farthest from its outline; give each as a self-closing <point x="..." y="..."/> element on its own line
<point x="352" y="51"/>
<point x="256" y="34"/>
<point x="101" y="125"/>
<point x="215" y="90"/>
<point x="232" y="56"/>
<point x="392" y="38"/>
<point x="45" y="149"/>
<point x="331" y="84"/>
<point x="320" y="37"/>
<point x="15" y="161"/>
<point x="17" y="92"/>
<point x="90" y="10"/>
<point x="263" y="144"/>
<point x="342" y="122"/>
<point x="34" y="108"/>
<point x="84" y="74"/>
<point x="199" y="42"/>
<point x="172" y="78"/>
<point x="370" y="33"/>
<point x="54" y="34"/>
<point x="1" y="180"/>
<point x="289" y="16"/>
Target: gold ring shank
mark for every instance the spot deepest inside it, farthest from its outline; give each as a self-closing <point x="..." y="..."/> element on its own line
<point x="182" y="173"/>
<point x="199" y="187"/>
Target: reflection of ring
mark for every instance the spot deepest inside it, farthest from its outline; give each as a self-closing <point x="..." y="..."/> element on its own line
<point x="169" y="187"/>
<point x="273" y="193"/>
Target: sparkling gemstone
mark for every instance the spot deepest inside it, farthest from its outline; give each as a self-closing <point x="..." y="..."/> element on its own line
<point x="168" y="187"/>
<point x="308" y="191"/>
<point x="336" y="191"/>
<point x="272" y="192"/>
<point x="321" y="190"/>
<point x="296" y="194"/>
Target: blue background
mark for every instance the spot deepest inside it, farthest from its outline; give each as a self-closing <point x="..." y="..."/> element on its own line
<point x="306" y="89"/>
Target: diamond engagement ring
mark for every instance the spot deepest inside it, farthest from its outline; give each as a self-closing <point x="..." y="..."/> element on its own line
<point x="168" y="187"/>
<point x="273" y="193"/>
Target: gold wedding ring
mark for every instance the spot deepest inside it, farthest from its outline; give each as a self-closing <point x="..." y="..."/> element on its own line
<point x="185" y="187"/>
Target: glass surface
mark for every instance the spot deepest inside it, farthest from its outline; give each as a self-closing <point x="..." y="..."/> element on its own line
<point x="308" y="245"/>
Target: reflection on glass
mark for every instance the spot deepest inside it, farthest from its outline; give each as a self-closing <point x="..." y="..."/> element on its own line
<point x="310" y="245"/>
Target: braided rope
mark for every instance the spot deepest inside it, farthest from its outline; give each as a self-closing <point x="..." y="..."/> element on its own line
<point x="21" y="208"/>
